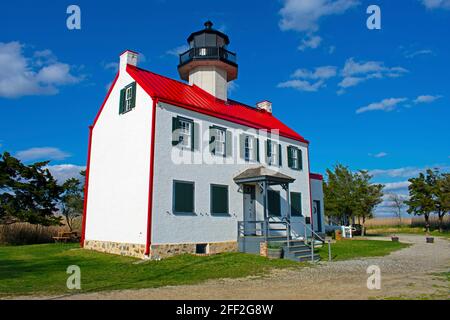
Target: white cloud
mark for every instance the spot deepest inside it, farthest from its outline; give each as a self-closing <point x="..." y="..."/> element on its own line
<point x="384" y="105"/>
<point x="396" y="186"/>
<point x="324" y="72"/>
<point x="355" y="72"/>
<point x="378" y="155"/>
<point x="414" y="54"/>
<point x="302" y="85"/>
<point x="405" y="172"/>
<point x="309" y="80"/>
<point x="44" y="153"/>
<point x="331" y="49"/>
<point x="310" y="42"/>
<point x="62" y="172"/>
<point x="40" y="74"/>
<point x="426" y="99"/>
<point x="113" y="66"/>
<point x="177" y="50"/>
<point x="304" y="15"/>
<point x="436" y="4"/>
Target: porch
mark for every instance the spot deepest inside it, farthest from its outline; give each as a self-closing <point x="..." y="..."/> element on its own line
<point x="295" y="236"/>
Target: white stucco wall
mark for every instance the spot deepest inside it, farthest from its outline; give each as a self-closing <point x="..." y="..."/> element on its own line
<point x="317" y="194"/>
<point x="117" y="206"/>
<point x="168" y="227"/>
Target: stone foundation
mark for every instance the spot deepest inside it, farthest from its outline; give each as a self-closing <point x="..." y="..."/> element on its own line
<point x="158" y="251"/>
<point x="123" y="249"/>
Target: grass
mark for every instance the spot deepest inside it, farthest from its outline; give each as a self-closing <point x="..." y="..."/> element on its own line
<point x="41" y="269"/>
<point x="403" y="229"/>
<point x="350" y="249"/>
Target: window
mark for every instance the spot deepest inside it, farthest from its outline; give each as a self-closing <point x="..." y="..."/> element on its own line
<point x="183" y="132"/>
<point x="295" y="158"/>
<point x="218" y="141"/>
<point x="296" y="204"/>
<point x="127" y="98"/>
<point x="183" y="197"/>
<point x="273" y="198"/>
<point x="219" y="200"/>
<point x="248" y="149"/>
<point x="273" y="153"/>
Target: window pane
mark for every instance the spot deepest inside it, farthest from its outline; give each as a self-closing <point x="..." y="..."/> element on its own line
<point x="296" y="204"/>
<point x="219" y="200"/>
<point x="183" y="197"/>
<point x="274" y="203"/>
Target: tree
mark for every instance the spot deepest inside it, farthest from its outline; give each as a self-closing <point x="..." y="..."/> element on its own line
<point x="368" y="196"/>
<point x="348" y="195"/>
<point x="28" y="193"/>
<point x="72" y="201"/>
<point x="397" y="203"/>
<point x="442" y="197"/>
<point x="421" y="200"/>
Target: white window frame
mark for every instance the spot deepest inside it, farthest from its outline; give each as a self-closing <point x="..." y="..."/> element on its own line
<point x="185" y="133"/>
<point x="220" y="142"/>
<point x="273" y="159"/>
<point x="128" y="98"/>
<point x="294" y="157"/>
<point x="249" y="148"/>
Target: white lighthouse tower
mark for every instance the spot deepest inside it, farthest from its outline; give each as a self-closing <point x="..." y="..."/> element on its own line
<point x="208" y="64"/>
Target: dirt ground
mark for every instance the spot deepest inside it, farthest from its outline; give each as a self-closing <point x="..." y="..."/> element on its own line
<point x="414" y="272"/>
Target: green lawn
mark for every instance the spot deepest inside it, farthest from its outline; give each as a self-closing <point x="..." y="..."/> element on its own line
<point x="41" y="269"/>
<point x="351" y="249"/>
<point x="388" y="230"/>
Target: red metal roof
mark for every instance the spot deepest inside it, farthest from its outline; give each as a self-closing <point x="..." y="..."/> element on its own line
<point x="315" y="176"/>
<point x="196" y="99"/>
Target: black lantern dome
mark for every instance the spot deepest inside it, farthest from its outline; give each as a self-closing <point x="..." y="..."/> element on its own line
<point x="208" y="47"/>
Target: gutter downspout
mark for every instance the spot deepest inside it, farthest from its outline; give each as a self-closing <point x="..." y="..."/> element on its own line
<point x="86" y="188"/>
<point x="151" y="175"/>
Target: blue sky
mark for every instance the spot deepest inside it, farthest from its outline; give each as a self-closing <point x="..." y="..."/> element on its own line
<point x="369" y="99"/>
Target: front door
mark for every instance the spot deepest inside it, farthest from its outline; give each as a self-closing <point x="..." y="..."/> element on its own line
<point x="318" y="214"/>
<point x="249" y="210"/>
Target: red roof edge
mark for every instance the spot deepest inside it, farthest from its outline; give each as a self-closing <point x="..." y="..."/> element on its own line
<point x="316" y="176"/>
<point x="195" y="108"/>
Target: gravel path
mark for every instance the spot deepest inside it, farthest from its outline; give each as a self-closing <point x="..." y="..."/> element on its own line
<point x="408" y="273"/>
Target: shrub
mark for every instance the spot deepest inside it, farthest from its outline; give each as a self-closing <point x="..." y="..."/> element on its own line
<point x="25" y="233"/>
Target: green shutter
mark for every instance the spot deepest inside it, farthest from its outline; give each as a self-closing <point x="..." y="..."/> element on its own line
<point x="268" y="150"/>
<point x="242" y="145"/>
<point x="193" y="136"/>
<point x="219" y="200"/>
<point x="122" y="101"/>
<point x="183" y="197"/>
<point x="175" y="131"/>
<point x="133" y="92"/>
<point x="280" y="156"/>
<point x="300" y="159"/>
<point x="212" y="138"/>
<point x="296" y="204"/>
<point x="228" y="143"/>
<point x="274" y="203"/>
<point x="257" y="149"/>
<point x="290" y="160"/>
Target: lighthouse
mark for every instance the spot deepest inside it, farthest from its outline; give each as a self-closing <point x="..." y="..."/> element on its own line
<point x="208" y="63"/>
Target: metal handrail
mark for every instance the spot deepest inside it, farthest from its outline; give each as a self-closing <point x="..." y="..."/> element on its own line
<point x="207" y="53"/>
<point x="265" y="226"/>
